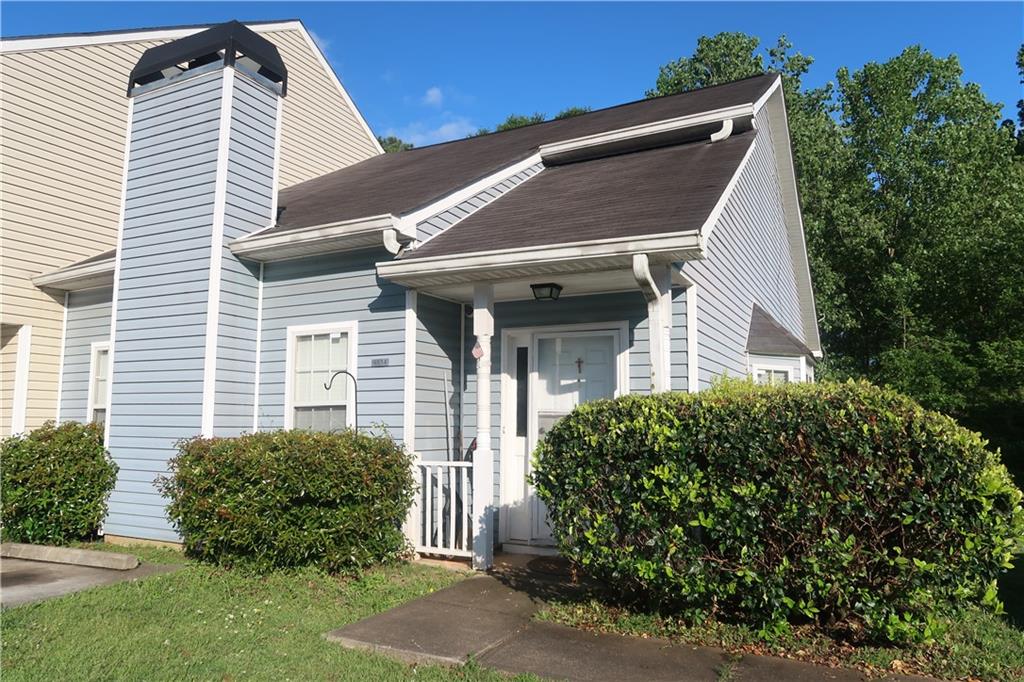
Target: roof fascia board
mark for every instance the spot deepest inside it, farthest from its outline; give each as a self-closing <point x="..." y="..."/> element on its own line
<point x="409" y="221"/>
<point x="78" y="277"/>
<point x="337" y="84"/>
<point x="12" y="45"/>
<point x="723" y="199"/>
<point x="331" y="237"/>
<point x="644" y="130"/>
<point x="672" y="242"/>
<point x="781" y="146"/>
<point x="763" y="99"/>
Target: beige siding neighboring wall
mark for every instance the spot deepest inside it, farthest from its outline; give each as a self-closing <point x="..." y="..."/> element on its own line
<point x="63" y="115"/>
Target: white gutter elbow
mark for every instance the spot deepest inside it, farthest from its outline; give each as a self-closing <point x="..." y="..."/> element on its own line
<point x="642" y="275"/>
<point x="724" y="133"/>
<point x="391" y="242"/>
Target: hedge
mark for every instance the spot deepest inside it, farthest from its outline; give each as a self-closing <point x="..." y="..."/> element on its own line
<point x="291" y="498"/>
<point x="54" y="483"/>
<point x="843" y="504"/>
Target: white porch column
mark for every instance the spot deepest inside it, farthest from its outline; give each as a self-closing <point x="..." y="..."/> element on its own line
<point x="483" y="458"/>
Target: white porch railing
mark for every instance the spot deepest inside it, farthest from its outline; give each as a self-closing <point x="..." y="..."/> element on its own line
<point x="442" y="510"/>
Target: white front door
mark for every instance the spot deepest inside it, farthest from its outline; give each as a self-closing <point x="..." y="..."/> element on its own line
<point x="564" y="370"/>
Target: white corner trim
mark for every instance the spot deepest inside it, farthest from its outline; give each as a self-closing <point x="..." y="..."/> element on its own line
<point x="409" y="387"/>
<point x="716" y="212"/>
<point x="117" y="266"/>
<point x="51" y="42"/>
<point x="341" y="88"/>
<point x="644" y="130"/>
<point x="60" y="357"/>
<point x="408" y="221"/>
<point x="349" y="327"/>
<point x="276" y="178"/>
<point x="259" y="354"/>
<point x="19" y="399"/>
<point x="217" y="254"/>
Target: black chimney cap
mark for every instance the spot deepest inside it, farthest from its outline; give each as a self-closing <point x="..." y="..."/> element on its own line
<point x="203" y="48"/>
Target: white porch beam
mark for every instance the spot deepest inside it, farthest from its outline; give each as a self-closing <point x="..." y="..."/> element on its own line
<point x="656" y="284"/>
<point x="483" y="457"/>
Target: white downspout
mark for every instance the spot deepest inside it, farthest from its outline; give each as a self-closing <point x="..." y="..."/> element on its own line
<point x="657" y="289"/>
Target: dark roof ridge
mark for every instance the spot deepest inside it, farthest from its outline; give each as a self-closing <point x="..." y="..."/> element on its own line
<point x="116" y="31"/>
<point x="595" y="111"/>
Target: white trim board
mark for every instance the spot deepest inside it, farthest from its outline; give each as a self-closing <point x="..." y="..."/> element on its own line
<point x="349" y="327"/>
<point x="220" y="194"/>
<point x="19" y="397"/>
<point x="409" y="380"/>
<point x="60" y="357"/>
<point x="257" y="363"/>
<point x="117" y="266"/>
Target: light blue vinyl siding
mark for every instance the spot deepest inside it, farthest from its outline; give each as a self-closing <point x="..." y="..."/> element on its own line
<point x="748" y="260"/>
<point x="438" y="355"/>
<point x="677" y="342"/>
<point x="250" y="187"/>
<point x="88" y="321"/>
<point x="336" y="288"/>
<point x="442" y="221"/>
<point x="164" y="256"/>
<point x="630" y="307"/>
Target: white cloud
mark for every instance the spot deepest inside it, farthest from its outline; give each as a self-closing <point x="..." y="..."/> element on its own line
<point x="433" y="97"/>
<point x="421" y="133"/>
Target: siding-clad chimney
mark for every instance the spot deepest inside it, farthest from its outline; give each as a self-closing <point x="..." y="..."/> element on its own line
<point x="201" y="161"/>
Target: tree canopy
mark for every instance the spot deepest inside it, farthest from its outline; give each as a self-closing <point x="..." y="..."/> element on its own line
<point x="913" y="202"/>
<point x="392" y="143"/>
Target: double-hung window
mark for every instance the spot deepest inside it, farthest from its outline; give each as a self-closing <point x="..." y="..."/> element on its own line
<point x="321" y="356"/>
<point x="769" y="375"/>
<point x="99" y="376"/>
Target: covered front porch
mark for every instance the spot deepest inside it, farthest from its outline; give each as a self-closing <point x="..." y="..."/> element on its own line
<point x="495" y="363"/>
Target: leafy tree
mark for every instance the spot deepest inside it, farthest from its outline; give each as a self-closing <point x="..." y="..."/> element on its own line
<point x="394" y="144"/>
<point x="569" y="112"/>
<point x="913" y="201"/>
<point x="513" y="121"/>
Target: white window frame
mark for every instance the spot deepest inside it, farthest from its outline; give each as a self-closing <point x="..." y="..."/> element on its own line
<point x="349" y="327"/>
<point x="764" y="363"/>
<point x="93" y="401"/>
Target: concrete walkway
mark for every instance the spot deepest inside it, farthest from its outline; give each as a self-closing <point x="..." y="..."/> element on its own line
<point x="489" y="618"/>
<point x="23" y="581"/>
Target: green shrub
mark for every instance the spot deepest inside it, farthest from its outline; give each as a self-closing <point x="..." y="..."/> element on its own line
<point x="844" y="504"/>
<point x="291" y="498"/>
<point x="54" y="483"/>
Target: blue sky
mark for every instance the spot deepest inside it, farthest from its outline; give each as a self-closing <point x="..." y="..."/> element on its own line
<point x="432" y="72"/>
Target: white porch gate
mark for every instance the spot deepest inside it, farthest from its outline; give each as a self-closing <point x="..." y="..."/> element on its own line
<point x="443" y="507"/>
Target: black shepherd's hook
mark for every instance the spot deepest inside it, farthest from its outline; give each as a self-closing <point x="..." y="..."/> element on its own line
<point x="355" y="395"/>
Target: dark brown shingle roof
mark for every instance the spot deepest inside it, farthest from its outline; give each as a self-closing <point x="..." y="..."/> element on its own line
<point x="768" y="337"/>
<point x="402" y="182"/>
<point x="671" y="189"/>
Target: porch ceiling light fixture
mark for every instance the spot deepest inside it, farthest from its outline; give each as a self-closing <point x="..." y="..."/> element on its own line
<point x="548" y="291"/>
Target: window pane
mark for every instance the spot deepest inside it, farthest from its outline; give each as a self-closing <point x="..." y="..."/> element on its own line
<point x="321" y="352"/>
<point x="339" y="352"/>
<point x="763" y="377"/>
<point x="522" y="383"/>
<point x="338" y="418"/>
<point x="302" y="352"/>
<point x="781" y="376"/>
<point x="303" y="417"/>
<point x="99" y="416"/>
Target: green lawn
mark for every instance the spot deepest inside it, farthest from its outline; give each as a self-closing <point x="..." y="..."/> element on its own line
<point x="977" y="645"/>
<point x="205" y="623"/>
